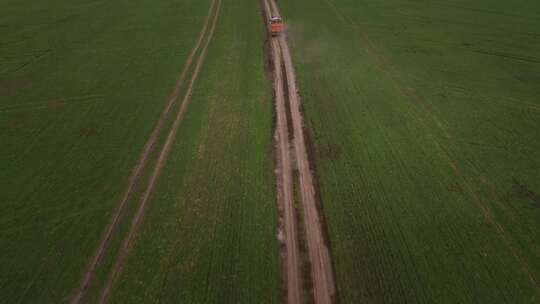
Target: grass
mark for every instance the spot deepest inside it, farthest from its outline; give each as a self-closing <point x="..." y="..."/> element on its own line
<point x="425" y="121"/>
<point x="81" y="86"/>
<point x="210" y="231"/>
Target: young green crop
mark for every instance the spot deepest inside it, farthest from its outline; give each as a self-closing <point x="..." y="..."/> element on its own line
<point x="82" y="84"/>
<point x="425" y="122"/>
<point x="210" y="231"/>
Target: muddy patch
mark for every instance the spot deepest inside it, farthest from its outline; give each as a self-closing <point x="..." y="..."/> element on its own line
<point x="88" y="131"/>
<point x="329" y="151"/>
<point x="10" y="87"/>
<point x="455" y="188"/>
<point x="522" y="192"/>
<point x="55" y="104"/>
<point x="287" y="101"/>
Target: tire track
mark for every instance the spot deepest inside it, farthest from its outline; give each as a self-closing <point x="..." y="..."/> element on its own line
<point x="319" y="255"/>
<point x="163" y="156"/>
<point x="294" y="285"/>
<point x="322" y="275"/>
<point x="288" y="225"/>
<point x="139" y="168"/>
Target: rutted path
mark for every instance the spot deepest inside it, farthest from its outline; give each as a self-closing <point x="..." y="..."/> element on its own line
<point x="319" y="256"/>
<point x="285" y="184"/>
<point x="163" y="155"/>
<point x="143" y="159"/>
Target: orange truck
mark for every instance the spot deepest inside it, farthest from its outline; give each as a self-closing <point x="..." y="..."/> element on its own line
<point x="276" y="26"/>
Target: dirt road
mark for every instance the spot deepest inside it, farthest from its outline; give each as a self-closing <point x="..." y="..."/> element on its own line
<point x="319" y="256"/>
<point x="285" y="184"/>
<point x="141" y="164"/>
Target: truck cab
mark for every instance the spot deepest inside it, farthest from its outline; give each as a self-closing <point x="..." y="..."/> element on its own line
<point x="276" y="25"/>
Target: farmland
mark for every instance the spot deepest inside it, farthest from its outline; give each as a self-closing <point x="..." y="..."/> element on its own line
<point x="73" y="120"/>
<point x="82" y="86"/>
<point x="424" y="118"/>
<point x="210" y="233"/>
<point x="144" y="157"/>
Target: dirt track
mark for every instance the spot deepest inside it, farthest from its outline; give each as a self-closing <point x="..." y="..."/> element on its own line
<point x="285" y="184"/>
<point x="319" y="257"/>
<point x="143" y="159"/>
<point x="164" y="153"/>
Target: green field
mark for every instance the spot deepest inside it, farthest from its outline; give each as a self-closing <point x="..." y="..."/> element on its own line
<point x="210" y="232"/>
<point x="423" y="116"/>
<point x="425" y="119"/>
<point x="82" y="84"/>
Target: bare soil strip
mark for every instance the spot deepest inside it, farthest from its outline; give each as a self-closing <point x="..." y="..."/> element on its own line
<point x="292" y="263"/>
<point x="319" y="255"/>
<point x="285" y="184"/>
<point x="164" y="153"/>
<point x="321" y="265"/>
<point x="138" y="169"/>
